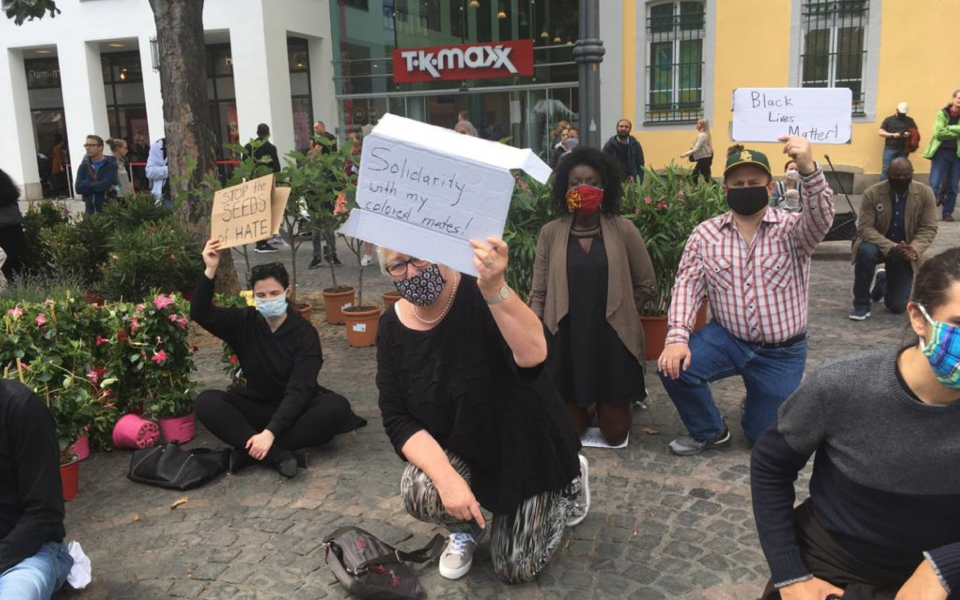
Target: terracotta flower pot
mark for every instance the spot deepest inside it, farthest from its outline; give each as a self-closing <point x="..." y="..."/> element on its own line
<point x="362" y="324"/>
<point x="70" y="479"/>
<point x="305" y="309"/>
<point x="335" y="300"/>
<point x="81" y="447"/>
<point x="135" y="432"/>
<point x="390" y="298"/>
<point x="655" y="332"/>
<point x="177" y="429"/>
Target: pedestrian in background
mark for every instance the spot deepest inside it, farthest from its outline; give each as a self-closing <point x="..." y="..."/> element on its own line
<point x="786" y="194"/>
<point x="569" y="140"/>
<point x="265" y="150"/>
<point x="898" y="222"/>
<point x="883" y="517"/>
<point x="895" y="130"/>
<point x="627" y="151"/>
<point x="159" y="174"/>
<point x="58" y="166"/>
<point x="12" y="239"/>
<point x="119" y="149"/>
<point x="944" y="153"/>
<point x="754" y="263"/>
<point x="96" y="176"/>
<point x="591" y="279"/>
<point x="701" y="152"/>
<point x="466" y="128"/>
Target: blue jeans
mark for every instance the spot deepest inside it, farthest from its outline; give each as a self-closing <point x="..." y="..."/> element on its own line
<point x="888" y="155"/>
<point x="39" y="576"/>
<point x="770" y="376"/>
<point x="945" y="171"/>
<point x="899" y="278"/>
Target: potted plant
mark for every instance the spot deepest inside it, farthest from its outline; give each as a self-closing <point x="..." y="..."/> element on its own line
<point x="361" y="319"/>
<point x="530" y="209"/>
<point x="320" y="183"/>
<point x="160" y="356"/>
<point x="666" y="208"/>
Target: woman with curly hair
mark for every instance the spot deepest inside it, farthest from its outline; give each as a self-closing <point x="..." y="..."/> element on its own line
<point x="591" y="279"/>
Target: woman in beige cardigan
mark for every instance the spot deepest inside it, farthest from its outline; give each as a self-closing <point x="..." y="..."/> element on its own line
<point x="591" y="279"/>
<point x="702" y="152"/>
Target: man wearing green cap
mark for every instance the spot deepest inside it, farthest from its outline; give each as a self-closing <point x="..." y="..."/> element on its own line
<point x="754" y="264"/>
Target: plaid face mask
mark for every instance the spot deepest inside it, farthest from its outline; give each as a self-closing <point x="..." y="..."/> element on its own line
<point x="943" y="352"/>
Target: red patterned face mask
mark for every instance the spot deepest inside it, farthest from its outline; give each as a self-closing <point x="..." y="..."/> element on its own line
<point x="584" y="199"/>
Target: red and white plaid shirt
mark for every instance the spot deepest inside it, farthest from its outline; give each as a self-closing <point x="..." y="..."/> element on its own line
<point x="758" y="292"/>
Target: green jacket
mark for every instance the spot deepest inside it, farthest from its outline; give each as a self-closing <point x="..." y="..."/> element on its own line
<point x="942" y="130"/>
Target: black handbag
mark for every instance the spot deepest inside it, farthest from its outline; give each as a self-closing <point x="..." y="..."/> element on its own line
<point x="369" y="568"/>
<point x="174" y="468"/>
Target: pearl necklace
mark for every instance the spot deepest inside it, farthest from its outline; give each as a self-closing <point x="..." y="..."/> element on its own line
<point x="446" y="308"/>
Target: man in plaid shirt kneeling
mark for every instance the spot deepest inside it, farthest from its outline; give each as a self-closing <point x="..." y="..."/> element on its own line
<point x="753" y="262"/>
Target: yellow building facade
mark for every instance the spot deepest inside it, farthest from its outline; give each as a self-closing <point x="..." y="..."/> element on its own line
<point x="897" y="49"/>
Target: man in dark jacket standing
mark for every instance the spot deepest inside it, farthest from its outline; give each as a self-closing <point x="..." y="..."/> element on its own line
<point x="264" y="150"/>
<point x="96" y="176"/>
<point x="626" y="150"/>
<point x="895" y="130"/>
<point x="34" y="562"/>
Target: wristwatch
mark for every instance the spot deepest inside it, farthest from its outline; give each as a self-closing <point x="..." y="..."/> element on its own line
<point x="502" y="295"/>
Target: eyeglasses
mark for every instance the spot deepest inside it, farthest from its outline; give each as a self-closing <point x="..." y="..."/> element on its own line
<point x="399" y="268"/>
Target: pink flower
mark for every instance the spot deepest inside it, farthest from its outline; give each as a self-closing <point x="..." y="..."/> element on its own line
<point x="681" y="193"/>
<point x="648" y="200"/>
<point x="101" y="341"/>
<point x="48" y="302"/>
<point x="173" y="257"/>
<point x="173" y="318"/>
<point x="159" y="357"/>
<point x="17" y="312"/>
<point x="661" y="205"/>
<point x="161" y="302"/>
<point x="233" y="359"/>
<point x="108" y="404"/>
<point x="41" y="320"/>
<point x="140" y="307"/>
<point x="92" y="376"/>
<point x="134" y="324"/>
<point x="182" y="322"/>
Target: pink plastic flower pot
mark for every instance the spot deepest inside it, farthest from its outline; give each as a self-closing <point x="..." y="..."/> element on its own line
<point x="135" y="432"/>
<point x="177" y="429"/>
<point x="81" y="447"/>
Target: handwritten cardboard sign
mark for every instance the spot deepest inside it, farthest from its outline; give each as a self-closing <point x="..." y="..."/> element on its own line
<point x="822" y="115"/>
<point x="248" y="212"/>
<point x="426" y="191"/>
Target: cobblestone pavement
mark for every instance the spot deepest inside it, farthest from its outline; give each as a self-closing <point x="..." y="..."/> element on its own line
<point x="660" y="526"/>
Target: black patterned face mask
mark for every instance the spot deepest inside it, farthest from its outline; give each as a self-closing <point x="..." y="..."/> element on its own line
<point x="424" y="288"/>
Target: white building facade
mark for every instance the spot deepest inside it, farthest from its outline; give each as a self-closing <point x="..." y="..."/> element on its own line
<point x="91" y="70"/>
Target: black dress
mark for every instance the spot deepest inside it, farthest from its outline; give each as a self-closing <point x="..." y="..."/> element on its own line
<point x="591" y="364"/>
<point x="459" y="382"/>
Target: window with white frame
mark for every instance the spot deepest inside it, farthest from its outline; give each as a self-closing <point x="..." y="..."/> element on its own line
<point x="675" y="33"/>
<point x="834" y="46"/>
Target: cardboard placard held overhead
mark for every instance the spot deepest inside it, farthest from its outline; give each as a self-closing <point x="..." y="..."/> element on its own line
<point x="248" y="212"/>
<point x="426" y="191"/>
<point x="822" y="115"/>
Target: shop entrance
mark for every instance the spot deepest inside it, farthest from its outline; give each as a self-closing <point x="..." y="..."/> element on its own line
<point x="49" y="122"/>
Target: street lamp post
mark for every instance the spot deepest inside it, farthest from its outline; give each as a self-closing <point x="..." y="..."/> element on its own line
<point x="588" y="53"/>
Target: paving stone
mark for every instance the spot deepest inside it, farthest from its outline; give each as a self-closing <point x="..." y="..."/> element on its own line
<point x="186" y="588"/>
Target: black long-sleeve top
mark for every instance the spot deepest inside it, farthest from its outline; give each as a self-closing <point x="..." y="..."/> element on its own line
<point x="885" y="477"/>
<point x="281" y="367"/>
<point x="31" y="496"/>
<point x="460" y="383"/>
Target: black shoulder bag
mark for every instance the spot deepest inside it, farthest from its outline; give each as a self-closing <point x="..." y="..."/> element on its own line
<point x="369" y="568"/>
<point x="174" y="468"/>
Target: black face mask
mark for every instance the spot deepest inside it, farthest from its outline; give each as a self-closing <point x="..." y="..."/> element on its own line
<point x="748" y="200"/>
<point x="901" y="185"/>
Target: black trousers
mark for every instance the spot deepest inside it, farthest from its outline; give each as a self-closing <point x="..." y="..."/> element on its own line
<point x="235" y="419"/>
<point x="702" y="169"/>
<point x="829" y="561"/>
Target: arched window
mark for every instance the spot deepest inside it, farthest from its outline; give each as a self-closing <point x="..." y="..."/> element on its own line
<point x="675" y="33"/>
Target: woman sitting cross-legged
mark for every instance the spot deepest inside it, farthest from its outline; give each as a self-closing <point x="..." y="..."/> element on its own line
<point x="282" y="408"/>
<point x="883" y="518"/>
<point x="467" y="399"/>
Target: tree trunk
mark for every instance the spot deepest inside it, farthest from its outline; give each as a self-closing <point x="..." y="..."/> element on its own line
<point x="186" y="119"/>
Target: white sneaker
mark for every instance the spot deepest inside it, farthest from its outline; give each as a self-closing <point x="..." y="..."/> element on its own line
<point x="366" y="261"/>
<point x="457" y="557"/>
<point x="581" y="506"/>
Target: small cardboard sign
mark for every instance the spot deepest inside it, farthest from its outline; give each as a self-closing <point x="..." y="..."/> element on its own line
<point x="822" y="115"/>
<point x="248" y="212"/>
<point x="426" y="191"/>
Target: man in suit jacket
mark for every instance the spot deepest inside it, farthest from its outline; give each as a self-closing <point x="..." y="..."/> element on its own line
<point x="898" y="222"/>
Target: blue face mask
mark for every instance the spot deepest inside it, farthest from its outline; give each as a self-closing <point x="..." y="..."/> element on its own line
<point x="573" y="143"/>
<point x="272" y="309"/>
<point x="943" y="352"/>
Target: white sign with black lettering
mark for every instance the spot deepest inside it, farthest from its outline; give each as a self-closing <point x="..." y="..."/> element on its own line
<point x="426" y="191"/>
<point x="822" y="115"/>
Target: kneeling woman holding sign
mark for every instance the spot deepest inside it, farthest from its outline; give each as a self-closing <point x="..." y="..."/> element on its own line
<point x="282" y="408"/>
<point x="467" y="400"/>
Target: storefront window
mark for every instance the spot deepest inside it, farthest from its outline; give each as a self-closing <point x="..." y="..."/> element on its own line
<point x="300" y="92"/>
<point x="49" y="124"/>
<point x="221" y="95"/>
<point x="126" y="103"/>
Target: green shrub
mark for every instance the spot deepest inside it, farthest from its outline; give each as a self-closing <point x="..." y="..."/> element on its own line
<point x="79" y="247"/>
<point x="155" y="255"/>
<point x="39" y="218"/>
